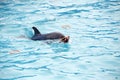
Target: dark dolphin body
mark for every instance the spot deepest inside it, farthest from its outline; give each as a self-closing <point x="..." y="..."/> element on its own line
<point x="48" y="36"/>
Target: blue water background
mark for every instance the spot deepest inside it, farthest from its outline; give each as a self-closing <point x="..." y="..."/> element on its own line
<point x="93" y="52"/>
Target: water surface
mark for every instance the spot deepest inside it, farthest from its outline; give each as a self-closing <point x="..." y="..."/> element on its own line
<point x="93" y="52"/>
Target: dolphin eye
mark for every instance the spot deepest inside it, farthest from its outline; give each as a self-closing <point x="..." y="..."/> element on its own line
<point x="63" y="39"/>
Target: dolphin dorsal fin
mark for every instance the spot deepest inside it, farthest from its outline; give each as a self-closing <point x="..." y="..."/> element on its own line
<point x="36" y="31"/>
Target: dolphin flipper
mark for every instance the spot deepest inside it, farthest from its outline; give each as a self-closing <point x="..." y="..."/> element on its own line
<point x="36" y="31"/>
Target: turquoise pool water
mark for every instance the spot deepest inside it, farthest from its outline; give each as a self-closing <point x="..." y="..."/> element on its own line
<point x="93" y="52"/>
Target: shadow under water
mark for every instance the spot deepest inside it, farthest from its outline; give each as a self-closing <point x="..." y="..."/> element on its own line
<point x="60" y="47"/>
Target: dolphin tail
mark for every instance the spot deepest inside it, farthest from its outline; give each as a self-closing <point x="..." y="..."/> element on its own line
<point x="36" y="31"/>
